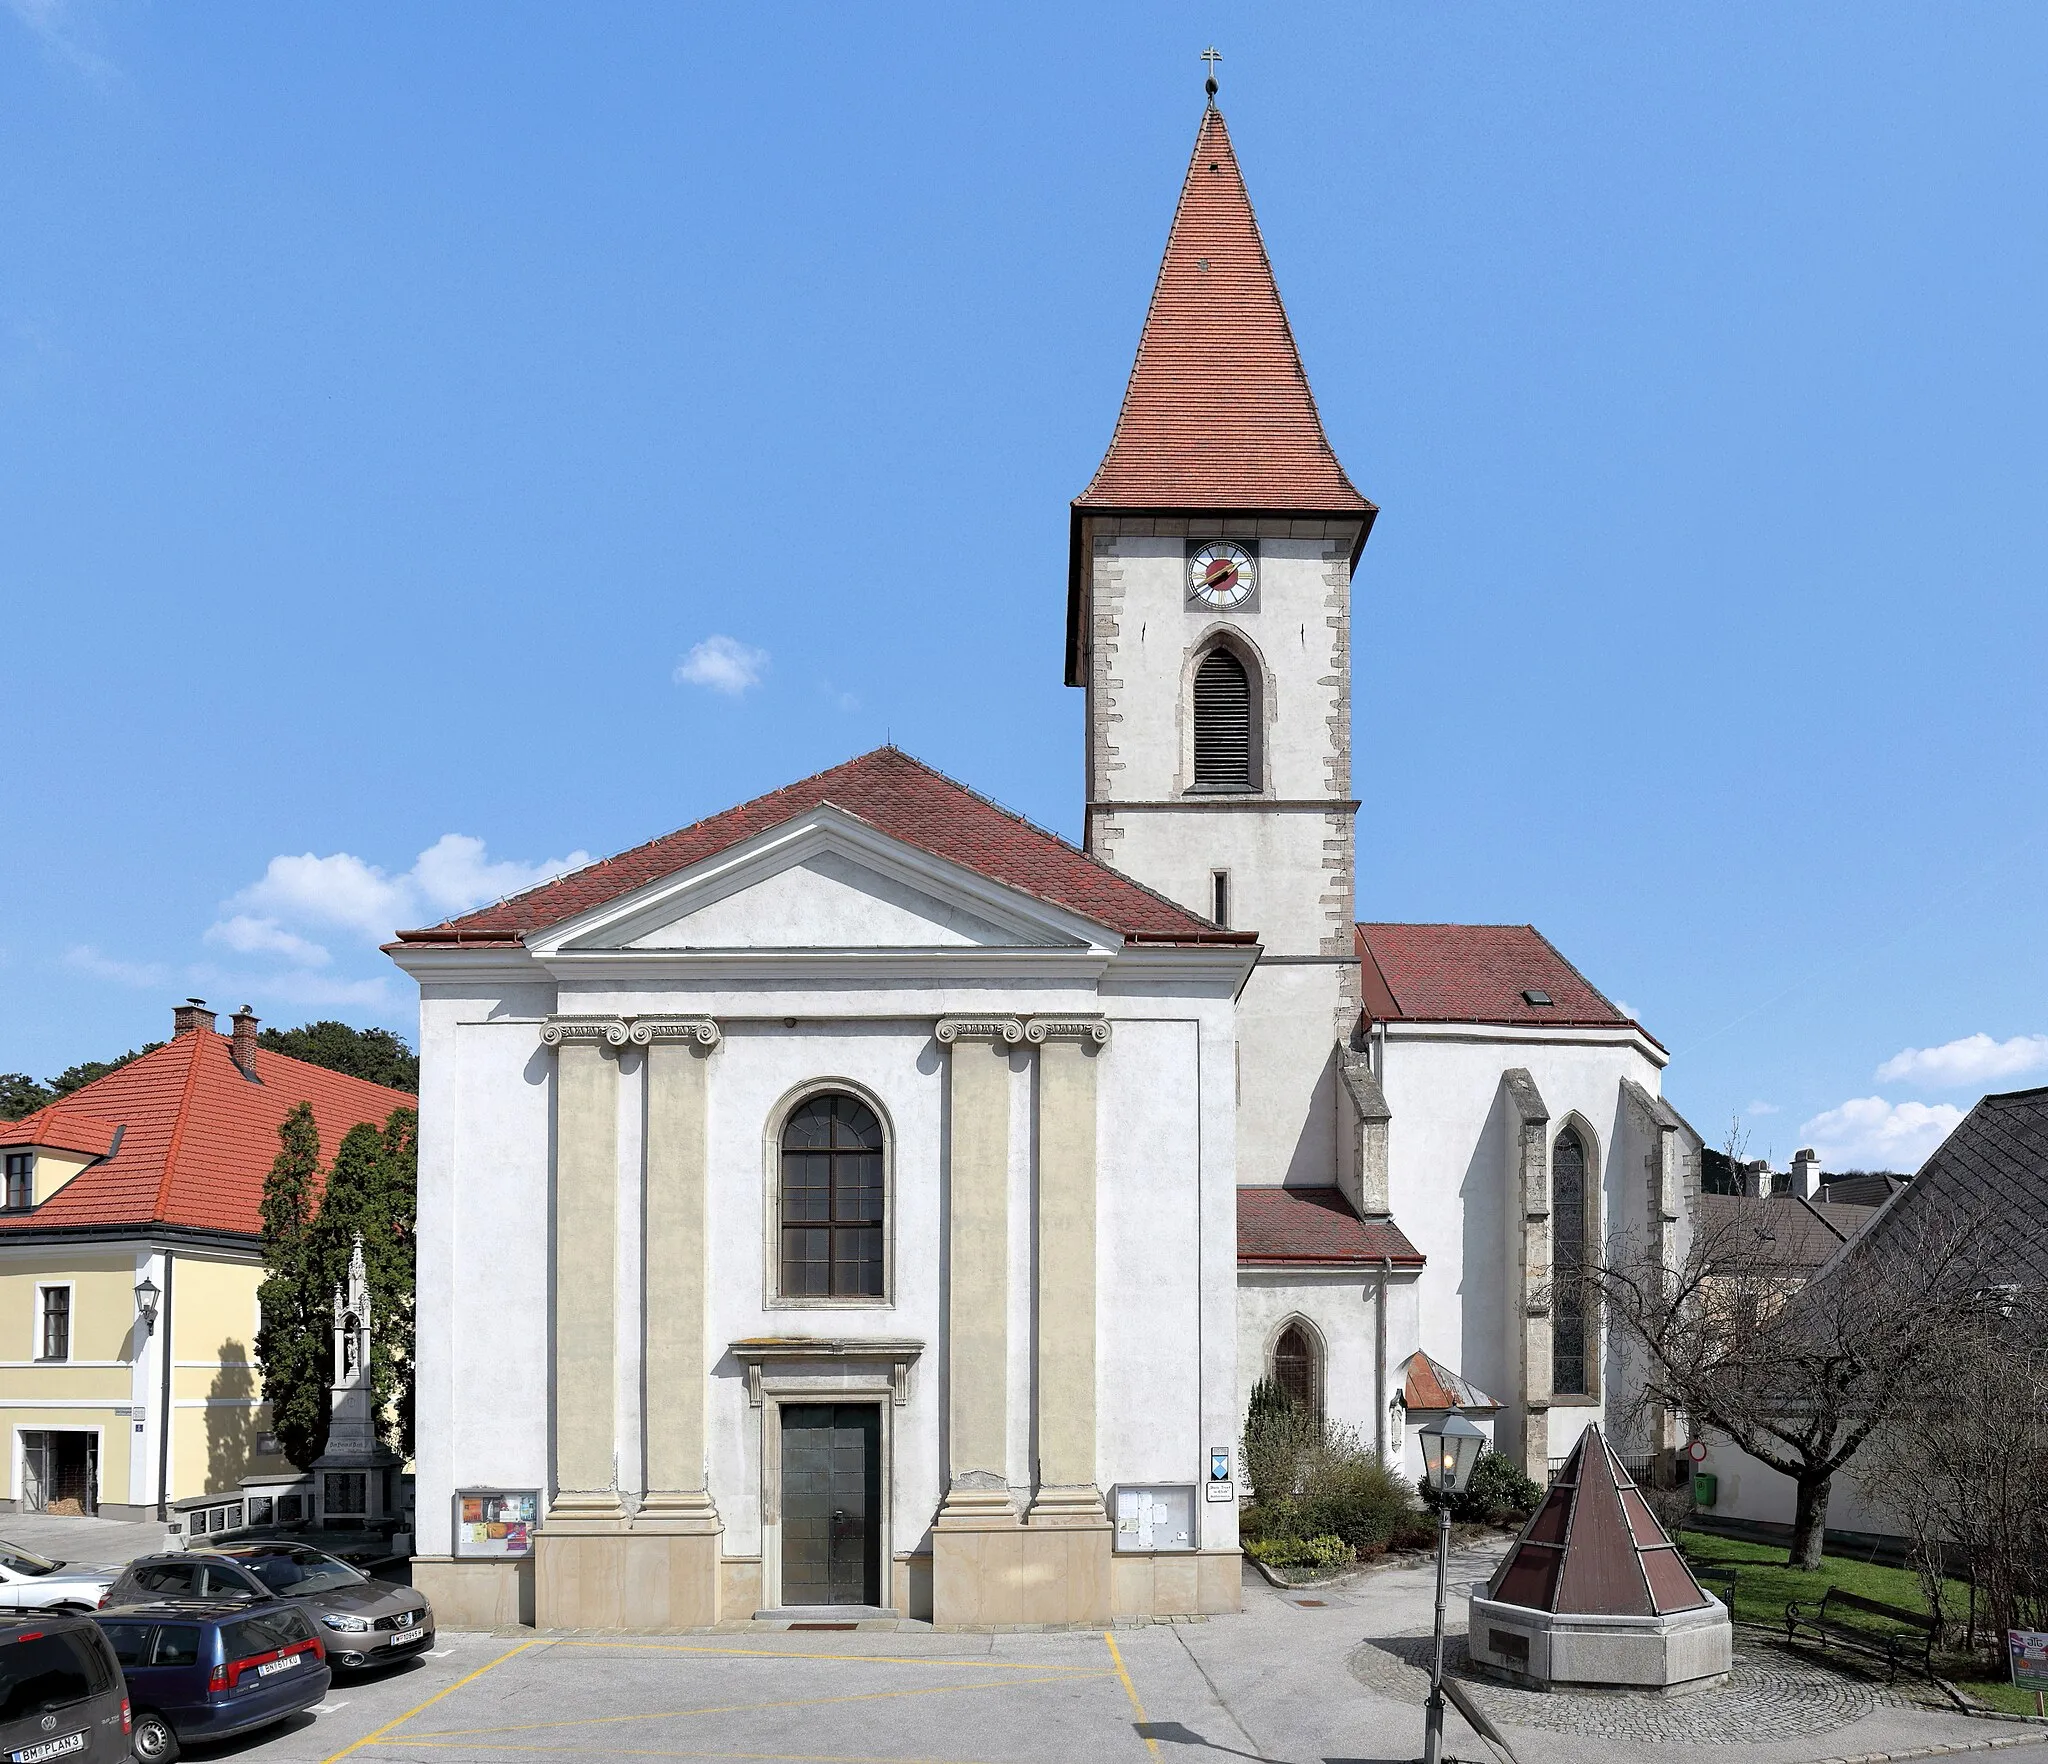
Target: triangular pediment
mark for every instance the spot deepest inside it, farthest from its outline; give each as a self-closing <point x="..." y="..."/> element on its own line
<point x="823" y="880"/>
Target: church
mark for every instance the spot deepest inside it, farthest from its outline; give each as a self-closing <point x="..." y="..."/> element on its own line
<point x="865" y="1199"/>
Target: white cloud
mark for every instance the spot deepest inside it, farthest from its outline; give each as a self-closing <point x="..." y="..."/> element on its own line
<point x="1974" y="1060"/>
<point x="1627" y="1010"/>
<point x="724" y="664"/>
<point x="251" y="936"/>
<point x="88" y="960"/>
<point x="450" y="876"/>
<point x="1763" y="1108"/>
<point x="53" y="23"/>
<point x="1869" y="1133"/>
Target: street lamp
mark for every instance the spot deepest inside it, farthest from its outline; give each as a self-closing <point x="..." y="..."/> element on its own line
<point x="145" y="1304"/>
<point x="1450" y="1448"/>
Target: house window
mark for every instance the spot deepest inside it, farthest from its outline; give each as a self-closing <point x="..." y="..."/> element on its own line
<point x="56" y="1323"/>
<point x="21" y="1181"/>
<point x="832" y="1200"/>
<point x="1223" y="723"/>
<point x="1294" y="1366"/>
<point x="1568" y="1332"/>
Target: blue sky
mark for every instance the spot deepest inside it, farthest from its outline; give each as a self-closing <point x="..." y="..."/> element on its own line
<point x="394" y="400"/>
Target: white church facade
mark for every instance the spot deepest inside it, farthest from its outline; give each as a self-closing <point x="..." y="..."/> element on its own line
<point x="865" y="1199"/>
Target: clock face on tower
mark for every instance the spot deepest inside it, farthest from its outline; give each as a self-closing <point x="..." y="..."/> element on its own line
<point x="1221" y="575"/>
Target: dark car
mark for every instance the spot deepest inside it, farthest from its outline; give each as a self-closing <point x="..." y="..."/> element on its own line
<point x="364" y="1622"/>
<point x="200" y="1670"/>
<point x="60" y="1692"/>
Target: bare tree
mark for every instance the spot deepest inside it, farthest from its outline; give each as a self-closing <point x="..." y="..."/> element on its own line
<point x="1964" y="1462"/>
<point x="1796" y="1365"/>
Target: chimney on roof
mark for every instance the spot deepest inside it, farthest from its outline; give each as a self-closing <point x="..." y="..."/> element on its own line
<point x="245" y="1021"/>
<point x="1806" y="1177"/>
<point x="191" y="1015"/>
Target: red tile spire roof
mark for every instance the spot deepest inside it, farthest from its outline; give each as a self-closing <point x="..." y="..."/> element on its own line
<point x="892" y="793"/>
<point x="183" y="1139"/>
<point x="1218" y="414"/>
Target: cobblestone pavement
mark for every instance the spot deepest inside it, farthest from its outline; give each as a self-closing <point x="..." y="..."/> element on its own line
<point x="1771" y="1694"/>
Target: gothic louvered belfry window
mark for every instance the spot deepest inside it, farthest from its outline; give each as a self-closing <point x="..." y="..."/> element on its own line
<point x="1568" y="1265"/>
<point x="1294" y="1365"/>
<point x="832" y="1200"/>
<point x="1223" y="724"/>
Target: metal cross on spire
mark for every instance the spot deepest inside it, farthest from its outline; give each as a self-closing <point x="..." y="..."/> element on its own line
<point x="1211" y="56"/>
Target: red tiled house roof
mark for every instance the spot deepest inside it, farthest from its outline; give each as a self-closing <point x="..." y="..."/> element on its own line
<point x="892" y="793"/>
<point x="1475" y="974"/>
<point x="184" y="1139"/>
<point x="1217" y="416"/>
<point x="1280" y="1227"/>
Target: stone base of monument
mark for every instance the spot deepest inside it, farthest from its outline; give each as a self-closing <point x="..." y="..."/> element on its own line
<point x="1555" y="1650"/>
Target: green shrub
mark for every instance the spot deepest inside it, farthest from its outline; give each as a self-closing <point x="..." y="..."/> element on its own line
<point x="1326" y="1553"/>
<point x="1310" y="1478"/>
<point x="1498" y="1494"/>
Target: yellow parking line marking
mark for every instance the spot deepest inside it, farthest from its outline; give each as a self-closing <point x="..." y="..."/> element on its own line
<point x="760" y="1757"/>
<point x="790" y="1654"/>
<point x="933" y="1690"/>
<point x="422" y="1708"/>
<point x="1131" y="1691"/>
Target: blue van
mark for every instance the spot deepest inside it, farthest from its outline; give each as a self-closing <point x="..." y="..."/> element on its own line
<point x="201" y="1670"/>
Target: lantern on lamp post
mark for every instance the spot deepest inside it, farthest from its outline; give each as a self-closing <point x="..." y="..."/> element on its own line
<point x="1450" y="1450"/>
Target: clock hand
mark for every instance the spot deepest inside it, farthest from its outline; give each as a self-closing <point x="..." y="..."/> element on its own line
<point x="1221" y="571"/>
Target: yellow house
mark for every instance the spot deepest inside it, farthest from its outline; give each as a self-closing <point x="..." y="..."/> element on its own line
<point x="130" y="1255"/>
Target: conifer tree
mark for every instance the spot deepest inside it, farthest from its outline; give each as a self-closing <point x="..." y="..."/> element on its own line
<point x="371" y="1193"/>
<point x="291" y="1350"/>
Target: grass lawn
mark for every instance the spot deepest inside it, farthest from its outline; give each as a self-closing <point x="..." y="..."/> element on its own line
<point x="1767" y="1583"/>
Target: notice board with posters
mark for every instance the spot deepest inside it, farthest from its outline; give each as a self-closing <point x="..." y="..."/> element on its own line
<point x="496" y="1522"/>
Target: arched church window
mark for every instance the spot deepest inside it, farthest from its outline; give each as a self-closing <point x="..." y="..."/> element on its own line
<point x="1223" y="723"/>
<point x="1568" y="1332"/>
<point x="1294" y="1365"/>
<point x="832" y="1197"/>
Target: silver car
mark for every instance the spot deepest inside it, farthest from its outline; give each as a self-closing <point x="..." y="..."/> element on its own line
<point x="29" y="1582"/>
<point x="364" y="1622"/>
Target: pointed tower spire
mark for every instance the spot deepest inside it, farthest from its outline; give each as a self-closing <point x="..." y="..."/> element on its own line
<point x="1218" y="416"/>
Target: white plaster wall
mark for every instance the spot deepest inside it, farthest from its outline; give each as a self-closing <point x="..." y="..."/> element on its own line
<point x="1448" y="1162"/>
<point x="1753" y="1490"/>
<point x="486" y="1115"/>
<point x="1290" y="630"/>
<point x="1166" y="1239"/>
<point x="1278" y="878"/>
<point x="1148" y="1270"/>
<point x="827" y="901"/>
<point x="1340" y="1307"/>
<point x="754" y="1070"/>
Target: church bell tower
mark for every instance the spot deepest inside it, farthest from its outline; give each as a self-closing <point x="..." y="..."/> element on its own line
<point x="1209" y="621"/>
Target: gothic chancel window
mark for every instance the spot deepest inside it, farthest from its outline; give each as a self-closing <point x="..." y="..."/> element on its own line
<point x="1223" y="724"/>
<point x="1568" y="1332"/>
<point x="1294" y="1365"/>
<point x="832" y="1199"/>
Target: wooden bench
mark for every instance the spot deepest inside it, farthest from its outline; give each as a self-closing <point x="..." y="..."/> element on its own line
<point x="1913" y="1635"/>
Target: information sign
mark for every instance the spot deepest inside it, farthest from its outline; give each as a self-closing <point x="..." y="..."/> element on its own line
<point x="496" y="1522"/>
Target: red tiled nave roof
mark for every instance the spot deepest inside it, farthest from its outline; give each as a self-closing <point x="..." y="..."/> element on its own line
<point x="195" y="1137"/>
<point x="1475" y="974"/>
<point x="892" y="793"/>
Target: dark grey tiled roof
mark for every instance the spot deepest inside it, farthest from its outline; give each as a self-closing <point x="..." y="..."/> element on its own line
<point x="1996" y="1162"/>
<point x="1801" y="1234"/>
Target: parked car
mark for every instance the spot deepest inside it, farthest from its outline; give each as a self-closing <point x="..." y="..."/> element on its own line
<point x="60" y="1693"/>
<point x="29" y="1582"/>
<point x="364" y="1622"/>
<point x="206" y="1670"/>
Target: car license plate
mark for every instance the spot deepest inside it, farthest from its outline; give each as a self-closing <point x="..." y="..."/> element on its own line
<point x="56" y="1748"/>
<point x="272" y="1668"/>
<point x="406" y="1640"/>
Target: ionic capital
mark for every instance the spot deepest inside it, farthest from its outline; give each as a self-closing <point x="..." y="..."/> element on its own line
<point x="560" y="1031"/>
<point x="1040" y="1030"/>
<point x="698" y="1031"/>
<point x="1007" y="1030"/>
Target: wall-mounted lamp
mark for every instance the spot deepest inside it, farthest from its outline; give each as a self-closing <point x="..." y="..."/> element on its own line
<point x="145" y="1304"/>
